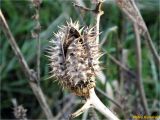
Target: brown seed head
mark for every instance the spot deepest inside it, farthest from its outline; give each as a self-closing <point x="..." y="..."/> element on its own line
<point x="74" y="57"/>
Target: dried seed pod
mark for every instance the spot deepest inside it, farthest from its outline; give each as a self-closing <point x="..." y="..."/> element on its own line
<point x="74" y="57"/>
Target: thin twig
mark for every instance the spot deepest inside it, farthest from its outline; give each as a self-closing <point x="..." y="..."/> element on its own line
<point x="113" y="101"/>
<point x="151" y="46"/>
<point x="79" y="7"/>
<point x="38" y="46"/>
<point x="110" y="30"/>
<point x="98" y="11"/>
<point x="82" y="7"/>
<point x="94" y="114"/>
<point x="65" y="108"/>
<point x="30" y="74"/>
<point x="147" y="35"/>
<point x="85" y="114"/>
<point x="130" y="9"/>
<point x="80" y="16"/>
<point x="120" y="64"/>
<point x="36" y="35"/>
<point x="81" y="3"/>
<point x="124" y="76"/>
<point x="139" y="71"/>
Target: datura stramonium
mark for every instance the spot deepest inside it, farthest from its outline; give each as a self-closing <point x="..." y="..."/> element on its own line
<point x="74" y="55"/>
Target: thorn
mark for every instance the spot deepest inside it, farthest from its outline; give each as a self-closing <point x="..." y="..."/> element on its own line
<point x="50" y="52"/>
<point x="54" y="33"/>
<point x="92" y="28"/>
<point x="51" y="77"/>
<point x="100" y="55"/>
<point x="80" y="30"/>
<point x="52" y="71"/>
<point x="48" y="56"/>
<point x="60" y="27"/>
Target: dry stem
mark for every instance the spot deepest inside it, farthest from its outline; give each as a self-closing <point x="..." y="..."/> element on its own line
<point x="139" y="71"/>
<point x="38" y="43"/>
<point x="113" y="101"/>
<point x="98" y="13"/>
<point x="29" y="74"/>
<point x="94" y="101"/>
<point x="130" y="9"/>
<point x="120" y="64"/>
<point x="82" y="7"/>
<point x="65" y="109"/>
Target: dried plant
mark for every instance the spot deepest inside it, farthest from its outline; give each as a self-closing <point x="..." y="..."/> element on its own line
<point x="74" y="56"/>
<point x="30" y="73"/>
<point x="20" y="112"/>
<point x="74" y="59"/>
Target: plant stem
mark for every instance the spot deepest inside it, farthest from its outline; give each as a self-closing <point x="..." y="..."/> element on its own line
<point x="38" y="45"/>
<point x="152" y="48"/>
<point x="98" y="13"/>
<point x="97" y="104"/>
<point x="30" y="74"/>
<point x="64" y="111"/>
<point x="82" y="109"/>
<point x="139" y="71"/>
<point x="109" y="98"/>
<point x="94" y="101"/>
<point x="120" y="64"/>
<point x="130" y="9"/>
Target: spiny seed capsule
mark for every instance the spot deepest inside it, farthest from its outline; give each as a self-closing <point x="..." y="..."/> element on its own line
<point x="73" y="55"/>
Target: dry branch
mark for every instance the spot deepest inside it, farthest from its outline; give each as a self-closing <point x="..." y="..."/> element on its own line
<point x="109" y="98"/>
<point x="130" y="9"/>
<point x="120" y="64"/>
<point x="98" y="13"/>
<point x="65" y="109"/>
<point x="37" y="32"/>
<point x="139" y="71"/>
<point x="30" y="74"/>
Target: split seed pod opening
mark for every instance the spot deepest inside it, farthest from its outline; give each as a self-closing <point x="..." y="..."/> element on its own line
<point x="73" y="55"/>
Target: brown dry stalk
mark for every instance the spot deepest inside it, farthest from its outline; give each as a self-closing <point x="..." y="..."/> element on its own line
<point x="66" y="107"/>
<point x="120" y="64"/>
<point x="38" y="28"/>
<point x="139" y="70"/>
<point x="97" y="11"/>
<point x="30" y="74"/>
<point x="109" y="98"/>
<point x="130" y="9"/>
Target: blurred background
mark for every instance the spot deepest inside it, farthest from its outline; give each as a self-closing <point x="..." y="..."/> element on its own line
<point x="117" y="38"/>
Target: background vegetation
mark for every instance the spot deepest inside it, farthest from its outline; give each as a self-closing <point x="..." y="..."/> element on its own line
<point x="117" y="31"/>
